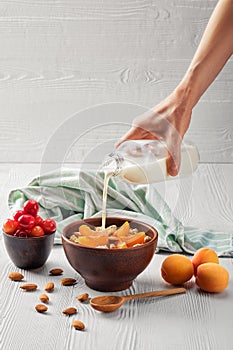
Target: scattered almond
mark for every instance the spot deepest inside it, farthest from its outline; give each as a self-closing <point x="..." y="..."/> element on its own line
<point x="56" y="272"/>
<point x="15" y="276"/>
<point x="29" y="287"/>
<point x="49" y="287"/>
<point x="44" y="298"/>
<point x="82" y="297"/>
<point x="70" y="311"/>
<point x="68" y="281"/>
<point x="41" y="308"/>
<point x="78" y="325"/>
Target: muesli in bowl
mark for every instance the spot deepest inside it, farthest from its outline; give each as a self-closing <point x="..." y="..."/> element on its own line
<point x="104" y="267"/>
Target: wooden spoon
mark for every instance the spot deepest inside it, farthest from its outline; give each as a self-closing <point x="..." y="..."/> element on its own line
<point x="108" y="303"/>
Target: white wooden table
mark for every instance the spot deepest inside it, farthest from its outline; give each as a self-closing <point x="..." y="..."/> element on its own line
<point x="196" y="320"/>
<point x="60" y="57"/>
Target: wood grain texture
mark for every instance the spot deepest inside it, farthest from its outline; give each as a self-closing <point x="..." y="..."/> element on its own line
<point x="203" y="200"/>
<point x="26" y="138"/>
<point x="195" y="320"/>
<point x="59" y="57"/>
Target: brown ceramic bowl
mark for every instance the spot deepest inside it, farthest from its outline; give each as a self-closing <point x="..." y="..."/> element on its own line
<point x="28" y="252"/>
<point x="109" y="269"/>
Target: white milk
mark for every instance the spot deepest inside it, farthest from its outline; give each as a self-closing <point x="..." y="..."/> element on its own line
<point x="156" y="170"/>
<point x="144" y="162"/>
<point x="107" y="176"/>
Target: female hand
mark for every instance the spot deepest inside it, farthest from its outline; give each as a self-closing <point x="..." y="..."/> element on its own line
<point x="167" y="121"/>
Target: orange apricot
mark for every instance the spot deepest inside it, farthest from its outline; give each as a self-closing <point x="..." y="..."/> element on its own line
<point x="204" y="255"/>
<point x="177" y="269"/>
<point x="93" y="241"/>
<point x="212" y="277"/>
<point x="131" y="240"/>
<point x="123" y="230"/>
<point x="85" y="230"/>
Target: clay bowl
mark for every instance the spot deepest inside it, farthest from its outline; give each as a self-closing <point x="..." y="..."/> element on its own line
<point x="28" y="252"/>
<point x="109" y="269"/>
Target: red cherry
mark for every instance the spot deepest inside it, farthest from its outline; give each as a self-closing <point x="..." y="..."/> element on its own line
<point x="49" y="225"/>
<point x="37" y="231"/>
<point x="38" y="220"/>
<point x="10" y="226"/>
<point x="17" y="214"/>
<point x="26" y="221"/>
<point x="31" y="207"/>
<point x="22" y="233"/>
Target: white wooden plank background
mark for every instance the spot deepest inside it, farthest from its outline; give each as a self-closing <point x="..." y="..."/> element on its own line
<point x="60" y="57"/>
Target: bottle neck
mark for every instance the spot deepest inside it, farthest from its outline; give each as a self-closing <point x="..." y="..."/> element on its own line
<point x="113" y="164"/>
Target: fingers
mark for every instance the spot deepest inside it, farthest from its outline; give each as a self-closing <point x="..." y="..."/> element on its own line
<point x="173" y="147"/>
<point x="173" y="158"/>
<point x="135" y="133"/>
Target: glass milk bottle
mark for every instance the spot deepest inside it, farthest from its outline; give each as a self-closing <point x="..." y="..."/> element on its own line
<point x="144" y="161"/>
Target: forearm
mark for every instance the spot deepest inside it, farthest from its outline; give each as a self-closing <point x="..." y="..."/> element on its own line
<point x="213" y="52"/>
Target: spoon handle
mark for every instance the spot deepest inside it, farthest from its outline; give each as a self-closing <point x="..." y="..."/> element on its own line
<point x="157" y="293"/>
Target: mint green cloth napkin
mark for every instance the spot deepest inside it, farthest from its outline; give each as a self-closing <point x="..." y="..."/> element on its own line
<point x="68" y="194"/>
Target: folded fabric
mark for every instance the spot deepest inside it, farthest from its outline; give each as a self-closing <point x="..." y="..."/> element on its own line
<point x="68" y="194"/>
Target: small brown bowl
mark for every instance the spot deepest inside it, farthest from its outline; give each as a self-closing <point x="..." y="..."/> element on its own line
<point x="109" y="269"/>
<point x="28" y="252"/>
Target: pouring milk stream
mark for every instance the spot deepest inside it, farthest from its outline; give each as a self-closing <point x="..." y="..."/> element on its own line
<point x="144" y="162"/>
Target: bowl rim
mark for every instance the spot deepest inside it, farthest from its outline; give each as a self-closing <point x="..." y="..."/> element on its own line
<point x="28" y="238"/>
<point x="155" y="238"/>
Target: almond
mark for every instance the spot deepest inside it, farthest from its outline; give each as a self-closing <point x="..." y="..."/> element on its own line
<point x="147" y="239"/>
<point x="56" y="272"/>
<point x="68" y="281"/>
<point x="28" y="287"/>
<point x="44" y="298"/>
<point x="70" y="311"/>
<point x="41" y="308"/>
<point x="15" y="276"/>
<point x="83" y="297"/>
<point x="49" y="287"/>
<point x="78" y="325"/>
